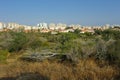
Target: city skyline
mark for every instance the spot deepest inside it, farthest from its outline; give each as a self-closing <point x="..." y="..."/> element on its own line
<point x="45" y="28"/>
<point x="83" y="12"/>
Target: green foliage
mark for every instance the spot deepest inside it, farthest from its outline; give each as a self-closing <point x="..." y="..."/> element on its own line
<point x="36" y="43"/>
<point x="80" y="49"/>
<point x="101" y="49"/>
<point x="108" y="34"/>
<point x="65" y="41"/>
<point x="98" y="32"/>
<point x="18" y="42"/>
<point x="77" y="31"/>
<point x="3" y="55"/>
<point x="75" y="52"/>
<point x="53" y="38"/>
<point x="103" y="45"/>
<point x="114" y="52"/>
<point x="5" y="40"/>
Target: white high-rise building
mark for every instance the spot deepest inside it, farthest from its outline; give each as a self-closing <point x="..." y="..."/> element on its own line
<point x="1" y="26"/>
<point x="13" y="26"/>
<point x="27" y="28"/>
<point x="10" y="26"/>
<point x="61" y="26"/>
<point x="4" y="25"/>
<point x="52" y="26"/>
<point x="42" y="26"/>
<point x="75" y="26"/>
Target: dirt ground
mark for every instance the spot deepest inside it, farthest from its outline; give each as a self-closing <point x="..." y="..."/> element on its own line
<point x="2" y="70"/>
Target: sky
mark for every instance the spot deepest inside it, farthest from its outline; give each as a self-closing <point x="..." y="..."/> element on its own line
<point x="83" y="12"/>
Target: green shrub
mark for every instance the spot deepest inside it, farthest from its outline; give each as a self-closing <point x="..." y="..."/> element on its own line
<point x="18" y="42"/>
<point x="3" y="55"/>
<point x="114" y="52"/>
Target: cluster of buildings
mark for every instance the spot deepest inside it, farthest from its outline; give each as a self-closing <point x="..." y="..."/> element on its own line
<point x="44" y="27"/>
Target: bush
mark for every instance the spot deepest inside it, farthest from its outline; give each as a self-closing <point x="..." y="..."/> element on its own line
<point x="80" y="49"/>
<point x="114" y="52"/>
<point x="3" y="55"/>
<point x="18" y="42"/>
<point x="101" y="50"/>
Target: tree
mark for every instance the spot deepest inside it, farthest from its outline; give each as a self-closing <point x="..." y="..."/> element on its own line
<point x="18" y="42"/>
<point x="113" y="51"/>
<point x="77" y="31"/>
<point x="101" y="49"/>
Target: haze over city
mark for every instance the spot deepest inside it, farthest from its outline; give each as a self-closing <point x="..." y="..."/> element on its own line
<point x="83" y="12"/>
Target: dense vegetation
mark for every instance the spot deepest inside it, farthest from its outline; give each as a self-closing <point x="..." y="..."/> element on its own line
<point x="102" y="48"/>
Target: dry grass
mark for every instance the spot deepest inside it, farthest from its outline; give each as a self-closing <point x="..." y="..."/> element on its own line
<point x="84" y="70"/>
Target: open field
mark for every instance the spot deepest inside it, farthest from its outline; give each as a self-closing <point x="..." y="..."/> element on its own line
<point x="62" y="56"/>
<point x="59" y="71"/>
